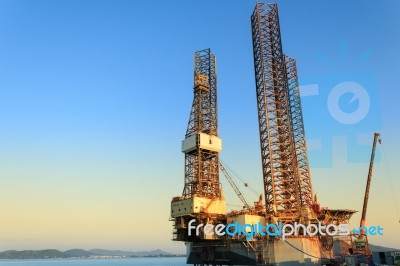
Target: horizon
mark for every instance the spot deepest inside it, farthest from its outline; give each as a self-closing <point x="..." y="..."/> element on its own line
<point x="93" y="249"/>
<point x="95" y="98"/>
<point x="138" y="251"/>
<point x="141" y="251"/>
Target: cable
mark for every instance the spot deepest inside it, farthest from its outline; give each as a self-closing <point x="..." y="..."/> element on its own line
<point x="391" y="182"/>
<point x="321" y="258"/>
<point x="302" y="250"/>
<point x="246" y="184"/>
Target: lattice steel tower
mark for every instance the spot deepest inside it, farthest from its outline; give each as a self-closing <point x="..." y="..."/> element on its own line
<point x="287" y="183"/>
<point x="202" y="145"/>
<point x="306" y="194"/>
<point x="202" y="198"/>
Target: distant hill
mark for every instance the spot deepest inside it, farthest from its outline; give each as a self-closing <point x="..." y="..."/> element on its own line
<point x="151" y="253"/>
<point x="78" y="253"/>
<point x="81" y="253"/>
<point x="32" y="254"/>
<point x="106" y="252"/>
<point x="73" y="253"/>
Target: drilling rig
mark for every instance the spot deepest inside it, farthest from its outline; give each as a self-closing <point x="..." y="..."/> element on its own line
<point x="202" y="199"/>
<point x="287" y="187"/>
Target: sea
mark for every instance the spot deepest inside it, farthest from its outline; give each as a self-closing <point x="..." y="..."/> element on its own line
<point x="180" y="261"/>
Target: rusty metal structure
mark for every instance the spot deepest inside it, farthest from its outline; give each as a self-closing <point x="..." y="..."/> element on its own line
<point x="202" y="198"/>
<point x="367" y="188"/>
<point x="361" y="237"/>
<point x="287" y="186"/>
<point x="282" y="184"/>
<point x="234" y="186"/>
<point x="299" y="138"/>
<point x="201" y="164"/>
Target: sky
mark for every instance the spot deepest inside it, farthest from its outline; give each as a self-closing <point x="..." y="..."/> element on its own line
<point x="95" y="98"/>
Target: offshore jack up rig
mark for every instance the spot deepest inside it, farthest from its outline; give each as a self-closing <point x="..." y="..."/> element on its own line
<point x="288" y="194"/>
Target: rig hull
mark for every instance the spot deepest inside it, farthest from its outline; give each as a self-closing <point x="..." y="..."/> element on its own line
<point x="257" y="252"/>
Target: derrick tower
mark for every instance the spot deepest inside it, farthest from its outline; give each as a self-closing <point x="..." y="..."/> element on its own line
<point x="286" y="175"/>
<point x="201" y="159"/>
<point x="202" y="198"/>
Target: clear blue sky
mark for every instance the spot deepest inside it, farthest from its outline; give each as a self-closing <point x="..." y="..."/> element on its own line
<point x="95" y="98"/>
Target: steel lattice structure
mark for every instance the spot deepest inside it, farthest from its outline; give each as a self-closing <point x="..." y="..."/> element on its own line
<point x="281" y="184"/>
<point x="201" y="165"/>
<point x="306" y="194"/>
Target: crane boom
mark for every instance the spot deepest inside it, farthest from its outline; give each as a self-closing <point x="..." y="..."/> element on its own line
<point x="233" y="185"/>
<point x="371" y="165"/>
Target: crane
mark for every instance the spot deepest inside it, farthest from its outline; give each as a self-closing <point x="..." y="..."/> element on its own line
<point x="233" y="185"/>
<point x="366" y="196"/>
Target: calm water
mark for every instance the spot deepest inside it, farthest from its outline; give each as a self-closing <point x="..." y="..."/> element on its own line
<point x="97" y="262"/>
